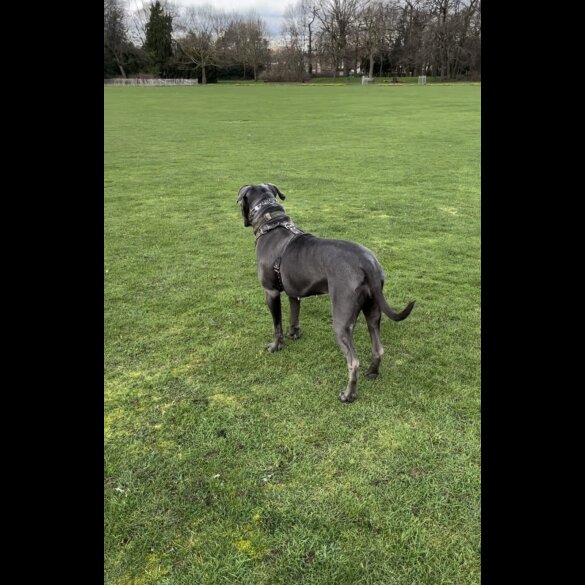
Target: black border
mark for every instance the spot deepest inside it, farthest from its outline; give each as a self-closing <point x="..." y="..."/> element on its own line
<point x="58" y="224"/>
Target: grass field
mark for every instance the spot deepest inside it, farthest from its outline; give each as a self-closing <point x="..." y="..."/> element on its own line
<point x="227" y="464"/>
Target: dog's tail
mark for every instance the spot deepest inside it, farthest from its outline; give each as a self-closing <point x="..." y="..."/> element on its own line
<point x="376" y="289"/>
<point x="389" y="310"/>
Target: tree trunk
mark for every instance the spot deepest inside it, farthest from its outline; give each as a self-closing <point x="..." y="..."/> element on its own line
<point x="119" y="64"/>
<point x="203" y="77"/>
<point x="371" y="65"/>
<point x="255" y="77"/>
<point x="456" y="64"/>
<point x="310" y="53"/>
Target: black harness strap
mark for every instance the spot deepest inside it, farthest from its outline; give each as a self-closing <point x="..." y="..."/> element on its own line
<point x="276" y="268"/>
<point x="276" y="265"/>
<point x="285" y="223"/>
<point x="274" y="219"/>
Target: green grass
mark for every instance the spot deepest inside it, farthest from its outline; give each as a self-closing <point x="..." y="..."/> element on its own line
<point x="227" y="464"/>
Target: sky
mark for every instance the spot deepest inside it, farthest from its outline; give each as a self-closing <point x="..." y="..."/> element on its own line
<point x="270" y="10"/>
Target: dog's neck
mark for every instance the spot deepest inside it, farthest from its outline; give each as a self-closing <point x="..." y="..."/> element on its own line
<point x="253" y="213"/>
<point x="263" y="212"/>
<point x="267" y="215"/>
<point x="262" y="222"/>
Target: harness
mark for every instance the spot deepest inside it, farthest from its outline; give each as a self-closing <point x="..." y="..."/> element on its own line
<point x="276" y="266"/>
<point x="282" y="220"/>
<point x="275" y="219"/>
<point x="285" y="222"/>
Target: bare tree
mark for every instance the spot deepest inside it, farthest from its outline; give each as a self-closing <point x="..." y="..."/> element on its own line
<point x="255" y="43"/>
<point x="244" y="43"/>
<point x="298" y="30"/>
<point x="309" y="16"/>
<point x="336" y="18"/>
<point x="391" y="13"/>
<point x="198" y="30"/>
<point x="451" y="36"/>
<point x="466" y="20"/>
<point x="372" y="25"/>
<point x="231" y="44"/>
<point x="443" y="32"/>
<point x="139" y="12"/>
<point x="412" y="23"/>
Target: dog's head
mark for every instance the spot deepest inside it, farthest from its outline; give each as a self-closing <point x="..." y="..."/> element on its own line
<point x="251" y="195"/>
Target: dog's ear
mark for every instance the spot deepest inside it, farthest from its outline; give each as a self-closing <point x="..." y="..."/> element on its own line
<point x="242" y="193"/>
<point x="276" y="191"/>
<point x="243" y="201"/>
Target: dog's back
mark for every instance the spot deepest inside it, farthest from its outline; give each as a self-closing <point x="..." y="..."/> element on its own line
<point x="313" y="265"/>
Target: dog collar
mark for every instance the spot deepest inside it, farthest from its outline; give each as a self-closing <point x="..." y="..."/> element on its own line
<point x="260" y="205"/>
<point x="269" y="217"/>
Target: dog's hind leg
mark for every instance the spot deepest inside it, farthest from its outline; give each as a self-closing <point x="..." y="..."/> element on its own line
<point x="373" y="315"/>
<point x="272" y="298"/>
<point x="295" y="309"/>
<point x="344" y="317"/>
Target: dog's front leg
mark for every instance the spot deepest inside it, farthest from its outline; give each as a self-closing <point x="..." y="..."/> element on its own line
<point x="273" y="301"/>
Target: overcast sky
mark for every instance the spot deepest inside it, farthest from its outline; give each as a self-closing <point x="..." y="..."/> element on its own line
<point x="270" y="10"/>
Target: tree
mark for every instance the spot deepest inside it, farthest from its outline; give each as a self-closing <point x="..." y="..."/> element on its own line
<point x="409" y="50"/>
<point x="255" y="43"/>
<point x="336" y="18"/>
<point x="243" y="43"/>
<point x="231" y="51"/>
<point x="373" y="28"/>
<point x="158" y="37"/>
<point x="115" y="34"/>
<point x="139" y="15"/>
<point x="468" y="18"/>
<point x="433" y="37"/>
<point x="200" y="28"/>
<point x="298" y="31"/>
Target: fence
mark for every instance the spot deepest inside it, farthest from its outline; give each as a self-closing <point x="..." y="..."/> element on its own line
<point x="422" y="79"/>
<point x="140" y="81"/>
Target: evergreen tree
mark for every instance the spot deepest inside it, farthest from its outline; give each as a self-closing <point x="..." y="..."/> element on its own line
<point x="158" y="42"/>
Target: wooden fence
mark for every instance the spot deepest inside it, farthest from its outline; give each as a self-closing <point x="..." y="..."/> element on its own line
<point x="146" y="81"/>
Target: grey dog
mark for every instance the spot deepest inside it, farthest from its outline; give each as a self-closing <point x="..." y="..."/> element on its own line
<point x="302" y="265"/>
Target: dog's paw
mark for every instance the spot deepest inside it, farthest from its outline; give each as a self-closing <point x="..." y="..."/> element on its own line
<point x="371" y="374"/>
<point x="344" y="397"/>
<point x="275" y="346"/>
<point x="294" y="334"/>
